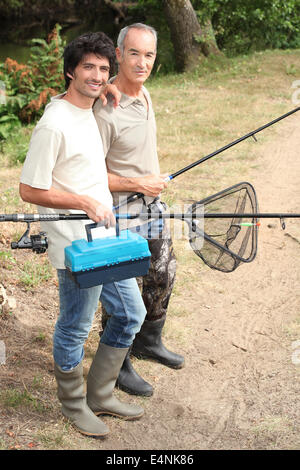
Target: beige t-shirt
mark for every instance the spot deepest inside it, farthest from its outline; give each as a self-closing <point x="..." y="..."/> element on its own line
<point x="128" y="134"/>
<point x="66" y="153"/>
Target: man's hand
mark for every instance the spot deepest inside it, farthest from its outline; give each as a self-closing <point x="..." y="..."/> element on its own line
<point x="99" y="213"/>
<point x="57" y="199"/>
<point x="151" y="185"/>
<point x="113" y="90"/>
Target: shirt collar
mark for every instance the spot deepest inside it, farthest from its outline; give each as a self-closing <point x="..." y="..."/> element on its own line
<point x="126" y="100"/>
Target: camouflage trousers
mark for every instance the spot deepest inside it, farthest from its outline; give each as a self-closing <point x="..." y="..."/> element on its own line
<point x="156" y="287"/>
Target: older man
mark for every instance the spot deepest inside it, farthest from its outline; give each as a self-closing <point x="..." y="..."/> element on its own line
<point x="129" y="139"/>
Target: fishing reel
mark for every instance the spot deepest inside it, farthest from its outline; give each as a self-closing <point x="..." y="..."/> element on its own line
<point x="37" y="243"/>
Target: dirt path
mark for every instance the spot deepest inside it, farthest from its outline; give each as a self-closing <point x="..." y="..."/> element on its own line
<point x="240" y="386"/>
<point x="239" y="389"/>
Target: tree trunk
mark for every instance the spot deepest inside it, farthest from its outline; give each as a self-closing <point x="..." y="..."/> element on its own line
<point x="191" y="40"/>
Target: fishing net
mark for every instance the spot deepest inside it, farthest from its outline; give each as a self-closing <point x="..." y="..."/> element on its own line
<point x="228" y="239"/>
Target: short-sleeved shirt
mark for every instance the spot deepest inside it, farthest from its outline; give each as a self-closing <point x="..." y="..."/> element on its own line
<point x="128" y="134"/>
<point x="66" y="153"/>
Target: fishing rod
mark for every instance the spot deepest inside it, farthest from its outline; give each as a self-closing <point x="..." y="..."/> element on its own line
<point x="137" y="196"/>
<point x="29" y="218"/>
<point x="38" y="243"/>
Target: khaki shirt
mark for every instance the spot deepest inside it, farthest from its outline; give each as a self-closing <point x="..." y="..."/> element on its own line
<point x="129" y="141"/>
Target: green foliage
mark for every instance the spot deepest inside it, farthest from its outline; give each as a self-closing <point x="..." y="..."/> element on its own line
<point x="8" y="123"/>
<point x="240" y="26"/>
<point x="13" y="7"/>
<point x="29" y="87"/>
<point x="245" y="26"/>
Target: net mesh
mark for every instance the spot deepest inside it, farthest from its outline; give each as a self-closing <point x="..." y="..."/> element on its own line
<point x="226" y="242"/>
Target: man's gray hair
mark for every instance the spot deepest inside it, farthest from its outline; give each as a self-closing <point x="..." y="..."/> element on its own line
<point x="124" y="31"/>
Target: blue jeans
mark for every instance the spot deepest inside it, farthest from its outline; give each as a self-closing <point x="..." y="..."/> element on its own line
<point x="123" y="302"/>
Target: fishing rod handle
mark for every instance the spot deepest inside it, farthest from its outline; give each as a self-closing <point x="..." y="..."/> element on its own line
<point x="28" y="217"/>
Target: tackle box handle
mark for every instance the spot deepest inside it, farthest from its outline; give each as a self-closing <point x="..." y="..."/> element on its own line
<point x="89" y="227"/>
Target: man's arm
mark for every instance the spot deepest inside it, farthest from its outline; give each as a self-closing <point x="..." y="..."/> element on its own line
<point x="149" y="185"/>
<point x="62" y="200"/>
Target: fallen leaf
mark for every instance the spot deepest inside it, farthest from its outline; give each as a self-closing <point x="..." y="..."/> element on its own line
<point x="31" y="444"/>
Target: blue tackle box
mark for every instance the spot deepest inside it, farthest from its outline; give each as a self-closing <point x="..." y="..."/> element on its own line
<point x="103" y="260"/>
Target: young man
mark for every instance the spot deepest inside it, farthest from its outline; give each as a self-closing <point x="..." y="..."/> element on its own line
<point x="129" y="138"/>
<point x="65" y="169"/>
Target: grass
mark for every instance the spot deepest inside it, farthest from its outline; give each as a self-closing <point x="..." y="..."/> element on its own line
<point x="7" y="260"/>
<point x="28" y="273"/>
<point x="13" y="398"/>
<point x="13" y="150"/>
<point x="33" y="275"/>
<point x="55" y="437"/>
<point x="271" y="428"/>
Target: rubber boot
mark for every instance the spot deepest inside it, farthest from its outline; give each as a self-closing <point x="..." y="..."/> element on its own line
<point x="73" y="399"/>
<point x="148" y="344"/>
<point x="131" y="382"/>
<point x="101" y="382"/>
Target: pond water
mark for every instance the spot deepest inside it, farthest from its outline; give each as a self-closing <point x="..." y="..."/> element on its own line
<point x="21" y="53"/>
<point x="14" y="51"/>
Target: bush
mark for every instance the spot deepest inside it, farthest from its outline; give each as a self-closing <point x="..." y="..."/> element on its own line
<point x="245" y="26"/>
<point x="29" y="87"/>
<point x="8" y="123"/>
